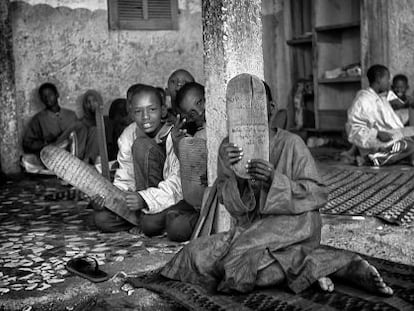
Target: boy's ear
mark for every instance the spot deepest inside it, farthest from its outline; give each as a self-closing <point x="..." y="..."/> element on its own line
<point x="164" y="111"/>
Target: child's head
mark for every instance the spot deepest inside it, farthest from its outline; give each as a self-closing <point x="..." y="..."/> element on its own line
<point x="379" y="78"/>
<point x="91" y="101"/>
<point x="118" y="112"/>
<point x="176" y="81"/>
<point x="147" y="109"/>
<point x="49" y="95"/>
<point x="190" y="102"/>
<point x="131" y="90"/>
<point x="400" y="85"/>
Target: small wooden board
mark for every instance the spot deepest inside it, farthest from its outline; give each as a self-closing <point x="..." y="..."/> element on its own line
<point x="103" y="152"/>
<point x="247" y="120"/>
<point x="193" y="169"/>
<point x="85" y="178"/>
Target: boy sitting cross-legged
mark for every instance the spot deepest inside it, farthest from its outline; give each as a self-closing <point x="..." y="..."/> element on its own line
<point x="149" y="171"/>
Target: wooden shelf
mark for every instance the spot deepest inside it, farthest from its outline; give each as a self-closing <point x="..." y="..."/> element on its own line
<point x="300" y="41"/>
<point x="335" y="42"/>
<point x="340" y="80"/>
<point x="337" y="27"/>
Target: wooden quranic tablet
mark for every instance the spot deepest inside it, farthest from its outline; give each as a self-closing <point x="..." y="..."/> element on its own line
<point x="247" y="119"/>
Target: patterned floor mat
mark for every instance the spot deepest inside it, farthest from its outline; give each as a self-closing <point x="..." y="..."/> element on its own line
<point x="38" y="236"/>
<point x="344" y="298"/>
<point x="389" y="194"/>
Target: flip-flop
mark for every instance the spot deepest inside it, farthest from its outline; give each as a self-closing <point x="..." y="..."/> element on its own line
<point x="88" y="268"/>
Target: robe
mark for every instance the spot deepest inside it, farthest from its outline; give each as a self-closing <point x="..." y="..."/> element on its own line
<point x="369" y="114"/>
<point x="276" y="237"/>
<point x="46" y="127"/>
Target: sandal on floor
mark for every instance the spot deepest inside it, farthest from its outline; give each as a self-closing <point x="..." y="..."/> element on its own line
<point x="87" y="268"/>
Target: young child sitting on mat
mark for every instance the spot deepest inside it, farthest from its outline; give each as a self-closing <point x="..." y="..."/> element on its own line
<point x="149" y="171"/>
<point x="190" y="105"/>
<point x="399" y="99"/>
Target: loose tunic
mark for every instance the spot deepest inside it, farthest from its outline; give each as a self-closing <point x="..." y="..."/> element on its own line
<point x="278" y="226"/>
<point x="368" y="114"/>
<point x="45" y="127"/>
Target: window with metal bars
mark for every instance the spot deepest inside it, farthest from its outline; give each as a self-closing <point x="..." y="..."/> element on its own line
<point x="143" y="14"/>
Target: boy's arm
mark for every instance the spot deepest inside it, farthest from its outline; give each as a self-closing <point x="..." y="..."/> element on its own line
<point x="301" y="192"/>
<point x="33" y="140"/>
<point x="124" y="176"/>
<point x="169" y="191"/>
<point x="359" y="127"/>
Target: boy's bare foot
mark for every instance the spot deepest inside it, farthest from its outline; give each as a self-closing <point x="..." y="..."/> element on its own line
<point x="326" y="284"/>
<point x="362" y="274"/>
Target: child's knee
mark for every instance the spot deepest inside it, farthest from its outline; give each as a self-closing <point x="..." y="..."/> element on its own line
<point x="152" y="225"/>
<point x="180" y="227"/>
<point x="107" y="221"/>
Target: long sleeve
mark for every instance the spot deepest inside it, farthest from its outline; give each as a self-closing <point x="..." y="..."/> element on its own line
<point x="237" y="204"/>
<point x="124" y="176"/>
<point x="169" y="191"/>
<point x="360" y="128"/>
<point x="33" y="140"/>
<point x="296" y="186"/>
<point x="368" y="114"/>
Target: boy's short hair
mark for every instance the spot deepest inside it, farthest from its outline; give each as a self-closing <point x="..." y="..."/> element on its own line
<point x="181" y="71"/>
<point x="118" y="107"/>
<point x="131" y="90"/>
<point x="143" y="88"/>
<point x="400" y="77"/>
<point x="375" y="72"/>
<point x="186" y="87"/>
<point x="48" y="85"/>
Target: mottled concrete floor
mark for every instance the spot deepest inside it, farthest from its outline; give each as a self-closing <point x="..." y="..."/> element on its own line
<point x="38" y="236"/>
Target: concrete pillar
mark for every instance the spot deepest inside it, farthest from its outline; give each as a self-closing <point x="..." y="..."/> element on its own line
<point x="232" y="36"/>
<point x="9" y="138"/>
<point x="276" y="53"/>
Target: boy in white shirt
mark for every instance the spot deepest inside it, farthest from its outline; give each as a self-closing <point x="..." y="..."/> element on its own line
<point x="149" y="171"/>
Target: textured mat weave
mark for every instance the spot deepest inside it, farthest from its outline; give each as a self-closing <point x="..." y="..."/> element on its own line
<point x="43" y="225"/>
<point x="389" y="194"/>
<point x="191" y="297"/>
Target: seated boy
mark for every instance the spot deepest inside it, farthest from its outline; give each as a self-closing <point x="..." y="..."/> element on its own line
<point x="52" y="125"/>
<point x="87" y="136"/>
<point x="148" y="171"/>
<point x="373" y="126"/>
<point x="190" y="105"/>
<point x="275" y="240"/>
<point x="175" y="82"/>
<point x="399" y="99"/>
